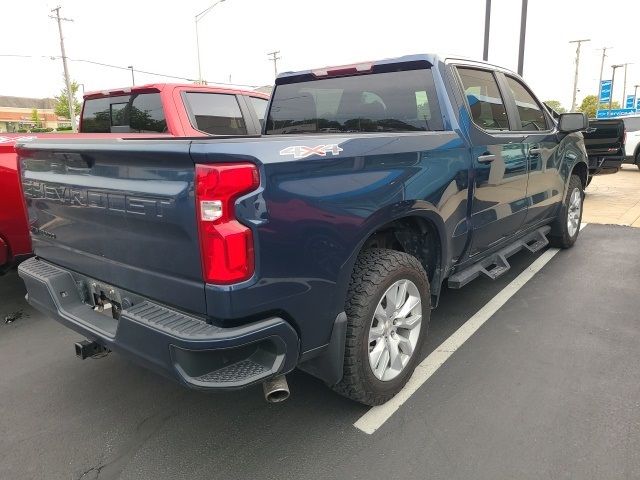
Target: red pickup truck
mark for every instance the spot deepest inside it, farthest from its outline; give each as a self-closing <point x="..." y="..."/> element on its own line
<point x="159" y="109"/>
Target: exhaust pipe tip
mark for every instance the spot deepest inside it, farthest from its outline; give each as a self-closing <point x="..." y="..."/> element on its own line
<point x="276" y="389"/>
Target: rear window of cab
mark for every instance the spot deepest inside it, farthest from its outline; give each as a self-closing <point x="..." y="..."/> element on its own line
<point x="399" y="101"/>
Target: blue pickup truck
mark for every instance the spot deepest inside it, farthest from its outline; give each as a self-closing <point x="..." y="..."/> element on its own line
<point x="322" y="244"/>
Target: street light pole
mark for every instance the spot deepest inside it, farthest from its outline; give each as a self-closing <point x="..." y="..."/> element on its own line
<point x="613" y="78"/>
<point x="487" y="26"/>
<point x="575" y="78"/>
<point x="604" y="55"/>
<point x="523" y="34"/>
<point x="67" y="80"/>
<point x="133" y="78"/>
<point x="198" y="17"/>
<point x="624" y="88"/>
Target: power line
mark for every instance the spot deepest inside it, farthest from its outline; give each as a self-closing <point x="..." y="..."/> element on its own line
<point x="119" y="67"/>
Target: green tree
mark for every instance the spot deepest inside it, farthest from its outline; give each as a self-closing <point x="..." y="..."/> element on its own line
<point x="35" y="117"/>
<point x="555" y="105"/>
<point x="590" y="106"/>
<point x="62" y="103"/>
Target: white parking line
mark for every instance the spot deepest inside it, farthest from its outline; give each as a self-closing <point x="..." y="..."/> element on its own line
<point x="376" y="416"/>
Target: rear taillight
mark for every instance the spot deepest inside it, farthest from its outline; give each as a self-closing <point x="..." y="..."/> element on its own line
<point x="226" y="246"/>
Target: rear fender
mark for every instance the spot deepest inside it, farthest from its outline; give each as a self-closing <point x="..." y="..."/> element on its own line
<point x="390" y="214"/>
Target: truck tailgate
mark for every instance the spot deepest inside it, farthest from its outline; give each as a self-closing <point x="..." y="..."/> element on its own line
<point x="121" y="211"/>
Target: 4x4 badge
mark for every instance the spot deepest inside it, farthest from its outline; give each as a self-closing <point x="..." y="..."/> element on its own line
<point x="301" y="151"/>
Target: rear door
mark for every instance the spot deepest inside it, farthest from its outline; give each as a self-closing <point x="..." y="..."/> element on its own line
<point x="545" y="185"/>
<point x="120" y="211"/>
<point x="499" y="160"/>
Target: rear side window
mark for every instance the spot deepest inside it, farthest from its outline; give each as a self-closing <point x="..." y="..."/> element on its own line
<point x="138" y="113"/>
<point x="530" y="111"/>
<point x="401" y="101"/>
<point x="632" y="124"/>
<point x="260" y="106"/>
<point x="486" y="104"/>
<point x="215" y="113"/>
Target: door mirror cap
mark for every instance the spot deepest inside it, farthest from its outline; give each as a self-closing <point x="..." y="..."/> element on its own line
<point x="572" y="122"/>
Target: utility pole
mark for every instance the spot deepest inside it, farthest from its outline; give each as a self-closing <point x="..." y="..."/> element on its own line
<point x="575" y="78"/>
<point x="487" y="26"/>
<point x="624" y="88"/>
<point x="604" y="55"/>
<point x="133" y="78"/>
<point x="523" y="35"/>
<point x="274" y="58"/>
<point x="613" y="78"/>
<point x="67" y="80"/>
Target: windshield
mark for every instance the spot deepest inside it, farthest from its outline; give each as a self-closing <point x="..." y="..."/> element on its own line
<point x="401" y="101"/>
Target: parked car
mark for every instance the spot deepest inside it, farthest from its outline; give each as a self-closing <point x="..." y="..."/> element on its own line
<point x="322" y="245"/>
<point x="605" y="143"/>
<point x="161" y="109"/>
<point x="632" y="141"/>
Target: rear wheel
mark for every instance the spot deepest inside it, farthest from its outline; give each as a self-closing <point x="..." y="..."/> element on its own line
<point x="638" y="159"/>
<point x="566" y="227"/>
<point x="388" y="309"/>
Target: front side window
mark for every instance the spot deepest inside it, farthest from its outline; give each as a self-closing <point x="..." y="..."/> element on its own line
<point x="632" y="124"/>
<point x="483" y="95"/>
<point x="215" y="113"/>
<point x="531" y="114"/>
<point x="400" y="101"/>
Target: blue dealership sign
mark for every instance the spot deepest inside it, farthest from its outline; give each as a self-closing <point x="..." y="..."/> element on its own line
<point x="638" y="104"/>
<point x="616" y="112"/>
<point x="629" y="102"/>
<point x="605" y="91"/>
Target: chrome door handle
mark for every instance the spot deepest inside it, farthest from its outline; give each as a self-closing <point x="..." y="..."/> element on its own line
<point x="535" y="151"/>
<point x="487" y="158"/>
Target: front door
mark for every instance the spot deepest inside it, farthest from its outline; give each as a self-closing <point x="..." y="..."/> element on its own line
<point x="545" y="186"/>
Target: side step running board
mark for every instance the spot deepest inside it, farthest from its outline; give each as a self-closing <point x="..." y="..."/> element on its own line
<point x="496" y="265"/>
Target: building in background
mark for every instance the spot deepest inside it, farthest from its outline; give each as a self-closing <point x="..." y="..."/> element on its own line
<point x="17" y="113"/>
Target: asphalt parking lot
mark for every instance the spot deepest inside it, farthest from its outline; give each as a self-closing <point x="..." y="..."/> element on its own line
<point x="548" y="387"/>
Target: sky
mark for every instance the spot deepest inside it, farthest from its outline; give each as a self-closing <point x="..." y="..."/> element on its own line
<point x="236" y="35"/>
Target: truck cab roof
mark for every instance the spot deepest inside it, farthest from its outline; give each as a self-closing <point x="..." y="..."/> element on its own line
<point x="158" y="87"/>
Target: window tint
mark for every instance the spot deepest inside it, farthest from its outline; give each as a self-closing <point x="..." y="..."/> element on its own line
<point x="260" y="106"/>
<point x="401" y="101"/>
<point x="142" y="113"/>
<point x="214" y="113"/>
<point x="531" y="115"/>
<point x="632" y="124"/>
<point x="146" y="113"/>
<point x="485" y="101"/>
<point x="96" y="115"/>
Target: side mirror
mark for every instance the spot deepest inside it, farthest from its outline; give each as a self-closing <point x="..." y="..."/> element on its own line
<point x="572" y="122"/>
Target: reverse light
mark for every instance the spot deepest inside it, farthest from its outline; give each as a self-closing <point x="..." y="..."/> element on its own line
<point x="226" y="245"/>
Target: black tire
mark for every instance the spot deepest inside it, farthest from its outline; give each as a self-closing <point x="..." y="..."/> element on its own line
<point x="638" y="160"/>
<point x="375" y="271"/>
<point x="589" y="180"/>
<point x="560" y="236"/>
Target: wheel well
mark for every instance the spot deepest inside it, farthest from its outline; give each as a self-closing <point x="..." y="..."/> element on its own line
<point x="413" y="235"/>
<point x="582" y="171"/>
